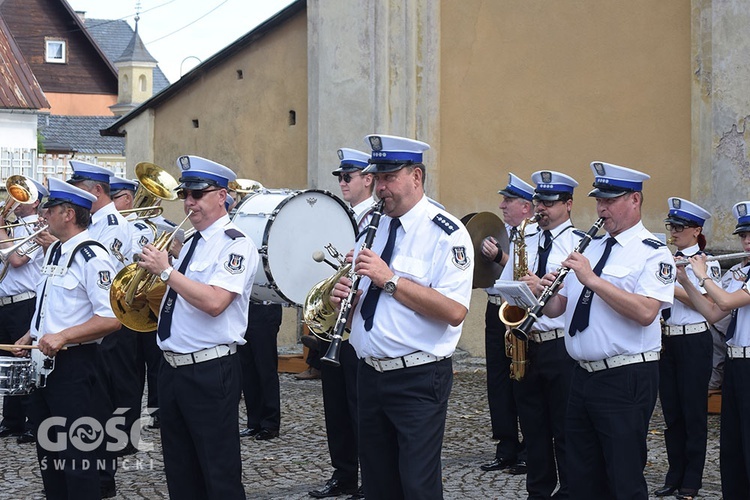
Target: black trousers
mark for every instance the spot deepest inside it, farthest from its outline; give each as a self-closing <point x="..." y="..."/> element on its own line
<point x="735" y="429"/>
<point x="684" y="371"/>
<point x="200" y="429"/>
<point x="120" y="376"/>
<point x="401" y="425"/>
<point x="500" y="387"/>
<point x="260" y="367"/>
<point x="71" y="471"/>
<point x="606" y="425"/>
<point x="542" y="397"/>
<point x="340" y="404"/>
<point x="14" y="323"/>
<point x="148" y="361"/>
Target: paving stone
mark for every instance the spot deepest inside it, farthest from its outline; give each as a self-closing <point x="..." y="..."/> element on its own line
<point x="297" y="462"/>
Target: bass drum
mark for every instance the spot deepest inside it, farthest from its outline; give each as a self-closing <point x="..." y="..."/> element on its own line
<point x="288" y="227"/>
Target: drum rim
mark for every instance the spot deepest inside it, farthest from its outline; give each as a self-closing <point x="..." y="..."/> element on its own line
<point x="267" y="229"/>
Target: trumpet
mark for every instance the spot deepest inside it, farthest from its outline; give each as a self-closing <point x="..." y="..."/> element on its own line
<point x="21" y="191"/>
<point x="135" y="294"/>
<point x="5" y="253"/>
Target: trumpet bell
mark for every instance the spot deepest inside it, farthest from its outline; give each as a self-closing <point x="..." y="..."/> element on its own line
<point x="244" y="186"/>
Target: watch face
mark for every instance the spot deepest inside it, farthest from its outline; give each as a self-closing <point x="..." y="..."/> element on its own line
<point x="389" y="287"/>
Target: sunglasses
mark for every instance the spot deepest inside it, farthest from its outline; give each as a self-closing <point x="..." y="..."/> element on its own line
<point x="196" y="194"/>
<point x="345" y="177"/>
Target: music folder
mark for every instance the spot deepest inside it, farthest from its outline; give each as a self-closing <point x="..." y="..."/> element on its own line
<point x="516" y="293"/>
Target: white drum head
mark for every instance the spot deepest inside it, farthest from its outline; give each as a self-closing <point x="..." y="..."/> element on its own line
<point x="288" y="227"/>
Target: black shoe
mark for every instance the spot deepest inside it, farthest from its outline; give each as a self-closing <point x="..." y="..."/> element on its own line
<point x="498" y="464"/>
<point x="518" y="468"/>
<point x="249" y="432"/>
<point x="311" y="342"/>
<point x="26" y="437"/>
<point x="334" y="488"/>
<point x="155" y="422"/>
<point x="686" y="494"/>
<point x="359" y="494"/>
<point x="108" y="490"/>
<point x="665" y="491"/>
<point x="266" y="434"/>
<point x="6" y="431"/>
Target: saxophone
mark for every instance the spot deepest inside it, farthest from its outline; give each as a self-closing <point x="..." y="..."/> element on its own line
<point x="512" y="316"/>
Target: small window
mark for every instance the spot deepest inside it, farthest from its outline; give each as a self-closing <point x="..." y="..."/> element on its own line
<point x="142" y="83"/>
<point x="56" y="51"/>
<point x="240" y="74"/>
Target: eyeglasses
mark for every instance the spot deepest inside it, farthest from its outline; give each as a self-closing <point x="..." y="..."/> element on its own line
<point x="548" y="204"/>
<point x="196" y="194"/>
<point x="119" y="195"/>
<point x="677" y="228"/>
<point x="345" y="177"/>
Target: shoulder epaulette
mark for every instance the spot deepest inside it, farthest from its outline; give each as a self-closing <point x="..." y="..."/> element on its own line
<point x="87" y="253"/>
<point x="140" y="225"/>
<point x="234" y="233"/>
<point x="654" y="243"/>
<point x="112" y="220"/>
<point x="445" y="223"/>
<point x="86" y="250"/>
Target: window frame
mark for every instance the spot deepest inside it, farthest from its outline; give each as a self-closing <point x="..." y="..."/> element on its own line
<point x="52" y="60"/>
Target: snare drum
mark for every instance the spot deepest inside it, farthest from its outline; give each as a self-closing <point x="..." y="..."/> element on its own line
<point x="288" y="227"/>
<point x="16" y="376"/>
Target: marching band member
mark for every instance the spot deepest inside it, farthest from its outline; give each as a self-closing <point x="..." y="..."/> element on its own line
<point x="203" y="318"/>
<point x="611" y="316"/>
<point x="417" y="286"/>
<point x="542" y="395"/>
<point x="735" y="407"/>
<point x="147" y="353"/>
<point x="340" y="383"/>
<point x="510" y="452"/>
<point x="686" y="359"/>
<point x="72" y="313"/>
<point x="17" y="304"/>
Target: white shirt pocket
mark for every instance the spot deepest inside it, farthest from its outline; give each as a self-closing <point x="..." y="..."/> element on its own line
<point x="414" y="269"/>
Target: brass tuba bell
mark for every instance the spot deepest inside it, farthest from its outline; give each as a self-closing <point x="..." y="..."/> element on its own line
<point x="154" y="185"/>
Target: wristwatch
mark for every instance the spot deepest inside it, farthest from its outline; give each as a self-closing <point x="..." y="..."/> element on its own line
<point x="390" y="285"/>
<point x="164" y="275"/>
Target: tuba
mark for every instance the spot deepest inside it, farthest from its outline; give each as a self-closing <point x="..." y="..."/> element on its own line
<point x="512" y="316"/>
<point x="154" y="185"/>
<point x="135" y="294"/>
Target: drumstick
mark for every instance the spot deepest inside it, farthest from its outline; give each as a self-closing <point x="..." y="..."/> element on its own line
<point x="12" y="347"/>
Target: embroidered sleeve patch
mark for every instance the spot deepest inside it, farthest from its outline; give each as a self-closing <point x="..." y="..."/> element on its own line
<point x="666" y="273"/>
<point x="143" y="241"/>
<point x="105" y="280"/>
<point x="235" y="264"/>
<point x="460" y="259"/>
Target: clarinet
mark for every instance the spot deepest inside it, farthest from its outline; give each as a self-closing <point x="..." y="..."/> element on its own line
<point x="331" y="356"/>
<point x="522" y="331"/>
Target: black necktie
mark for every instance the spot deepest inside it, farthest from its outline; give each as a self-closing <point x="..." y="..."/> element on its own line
<point x="543" y="254"/>
<point x="667" y="313"/>
<point x="580" y="319"/>
<point x="373" y="294"/>
<point x="54" y="259"/>
<point x="733" y="322"/>
<point x="165" y="318"/>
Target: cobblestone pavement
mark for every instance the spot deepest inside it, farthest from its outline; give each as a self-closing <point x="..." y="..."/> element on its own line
<point x="297" y="462"/>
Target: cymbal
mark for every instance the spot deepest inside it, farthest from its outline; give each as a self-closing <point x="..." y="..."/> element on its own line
<point x="481" y="225"/>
